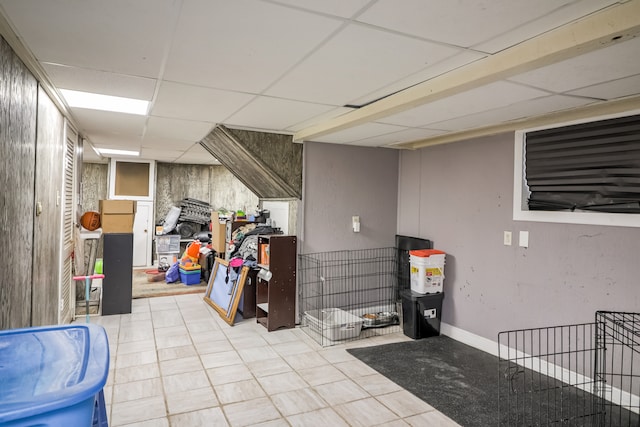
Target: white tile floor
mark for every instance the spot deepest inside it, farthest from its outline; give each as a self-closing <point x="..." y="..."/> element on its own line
<point x="174" y="362"/>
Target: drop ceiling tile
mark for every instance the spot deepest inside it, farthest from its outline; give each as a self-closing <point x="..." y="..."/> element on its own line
<point x="102" y="82"/>
<point x="341" y="8"/>
<point x="519" y="110"/>
<point x="115" y="142"/>
<point x="90" y="156"/>
<point x="564" y="14"/>
<point x="108" y="122"/>
<point x="241" y="45"/>
<point x="197" y="155"/>
<point x="180" y="101"/>
<point x="403" y="136"/>
<point x="186" y="130"/>
<point x="441" y="67"/>
<point x="319" y="119"/>
<point x="613" y="89"/>
<point x="118" y="35"/>
<point x="456" y="23"/>
<point x="159" y="143"/>
<point x="487" y="97"/>
<point x="606" y="64"/>
<point x="357" y="133"/>
<point x="355" y="62"/>
<point x="275" y="114"/>
<point x="167" y="156"/>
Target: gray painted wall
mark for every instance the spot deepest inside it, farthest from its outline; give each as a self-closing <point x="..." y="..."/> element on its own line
<point x="460" y="196"/>
<point x="340" y="182"/>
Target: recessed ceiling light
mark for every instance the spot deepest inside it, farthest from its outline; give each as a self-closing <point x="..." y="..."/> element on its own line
<point x="96" y="101"/>
<point x="105" y="151"/>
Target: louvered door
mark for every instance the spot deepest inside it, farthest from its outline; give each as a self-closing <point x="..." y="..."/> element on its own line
<point x="67" y="297"/>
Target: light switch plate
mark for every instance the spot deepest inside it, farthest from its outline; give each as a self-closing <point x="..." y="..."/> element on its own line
<point x="507" y="238"/>
<point x="524" y="239"/>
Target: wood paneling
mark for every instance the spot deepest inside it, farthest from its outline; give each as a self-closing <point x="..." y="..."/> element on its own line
<point x="253" y="158"/>
<point x="49" y="186"/>
<point x="213" y="184"/>
<point x="18" y="92"/>
<point x="94" y="185"/>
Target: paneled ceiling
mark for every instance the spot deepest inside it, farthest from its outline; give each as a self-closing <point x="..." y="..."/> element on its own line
<point x="381" y="73"/>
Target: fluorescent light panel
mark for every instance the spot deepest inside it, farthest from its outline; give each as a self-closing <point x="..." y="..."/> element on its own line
<point x="106" y="151"/>
<point x="96" y="101"/>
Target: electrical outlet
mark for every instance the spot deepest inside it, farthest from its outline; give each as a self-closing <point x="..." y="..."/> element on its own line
<point x="507" y="238"/>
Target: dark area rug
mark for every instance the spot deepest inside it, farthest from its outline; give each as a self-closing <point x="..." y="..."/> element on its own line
<point x="463" y="383"/>
<point x="456" y="379"/>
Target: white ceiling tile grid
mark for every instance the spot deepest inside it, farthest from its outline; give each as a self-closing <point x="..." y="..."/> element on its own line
<point x="285" y="66"/>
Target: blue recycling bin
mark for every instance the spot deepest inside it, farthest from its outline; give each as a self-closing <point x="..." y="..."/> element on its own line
<point x="53" y="376"/>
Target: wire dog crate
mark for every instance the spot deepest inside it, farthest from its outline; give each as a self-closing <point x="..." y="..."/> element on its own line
<point x="348" y="295"/>
<point x="572" y="375"/>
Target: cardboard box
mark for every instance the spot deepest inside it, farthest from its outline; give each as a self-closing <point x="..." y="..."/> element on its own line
<point x="117" y="215"/>
<point x="218" y="230"/>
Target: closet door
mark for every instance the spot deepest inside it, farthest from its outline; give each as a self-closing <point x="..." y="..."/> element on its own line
<point x="67" y="296"/>
<point x="18" y="94"/>
<point x="47" y="256"/>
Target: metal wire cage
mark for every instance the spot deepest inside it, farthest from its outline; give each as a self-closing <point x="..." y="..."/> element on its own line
<point x="572" y="375"/>
<point x="348" y="295"/>
<point x="617" y="352"/>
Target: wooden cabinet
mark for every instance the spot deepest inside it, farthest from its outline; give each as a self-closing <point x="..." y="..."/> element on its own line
<point x="247" y="305"/>
<point x="276" y="282"/>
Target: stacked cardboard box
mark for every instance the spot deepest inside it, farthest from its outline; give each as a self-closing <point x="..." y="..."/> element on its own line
<point x="117" y="215"/>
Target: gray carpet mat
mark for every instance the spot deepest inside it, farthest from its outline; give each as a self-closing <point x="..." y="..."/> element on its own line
<point x="456" y="379"/>
<point x="462" y="382"/>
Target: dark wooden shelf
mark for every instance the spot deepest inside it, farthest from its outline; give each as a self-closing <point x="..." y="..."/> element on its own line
<point x="276" y="299"/>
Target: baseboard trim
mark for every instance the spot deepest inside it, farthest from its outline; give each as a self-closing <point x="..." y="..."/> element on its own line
<point x="469" y="338"/>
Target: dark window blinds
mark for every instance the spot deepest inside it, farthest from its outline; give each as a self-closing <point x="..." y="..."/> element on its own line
<point x="589" y="166"/>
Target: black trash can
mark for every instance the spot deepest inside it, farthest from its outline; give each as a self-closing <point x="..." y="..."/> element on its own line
<point x="421" y="314"/>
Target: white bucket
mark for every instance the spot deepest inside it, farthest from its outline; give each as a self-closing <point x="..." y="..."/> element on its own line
<point x="427" y="273"/>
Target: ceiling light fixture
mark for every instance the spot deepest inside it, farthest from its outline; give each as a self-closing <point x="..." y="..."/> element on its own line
<point x="95" y="101"/>
<point x="106" y="151"/>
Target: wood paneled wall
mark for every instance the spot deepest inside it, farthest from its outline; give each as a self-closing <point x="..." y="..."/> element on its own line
<point x="18" y="94"/>
<point x="213" y="184"/>
<point x="94" y="185"/>
<point x="47" y="246"/>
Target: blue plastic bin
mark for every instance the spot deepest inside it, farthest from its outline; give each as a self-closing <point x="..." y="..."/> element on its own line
<point x="190" y="277"/>
<point x="53" y="376"/>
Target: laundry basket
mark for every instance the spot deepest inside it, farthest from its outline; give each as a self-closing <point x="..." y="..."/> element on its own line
<point x="53" y="376"/>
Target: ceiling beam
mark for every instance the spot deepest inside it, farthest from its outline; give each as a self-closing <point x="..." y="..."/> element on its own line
<point x="612" y="25"/>
<point x="591" y="112"/>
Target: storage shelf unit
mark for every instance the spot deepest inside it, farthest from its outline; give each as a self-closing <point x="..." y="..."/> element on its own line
<point x="276" y="298"/>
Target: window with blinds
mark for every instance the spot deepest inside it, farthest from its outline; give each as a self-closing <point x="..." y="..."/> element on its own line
<point x="591" y="166"/>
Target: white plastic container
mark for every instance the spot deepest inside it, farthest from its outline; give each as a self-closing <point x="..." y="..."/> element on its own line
<point x="427" y="270"/>
<point x="334" y="324"/>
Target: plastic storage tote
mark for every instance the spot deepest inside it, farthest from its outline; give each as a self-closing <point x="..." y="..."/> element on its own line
<point x="53" y="376"/>
<point x="334" y="324"/>
<point x="190" y="275"/>
<point x="427" y="270"/>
